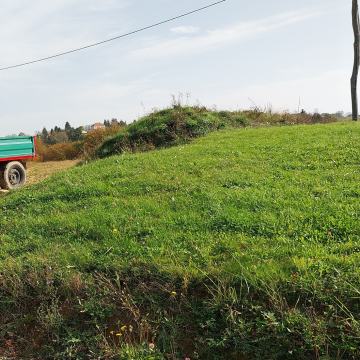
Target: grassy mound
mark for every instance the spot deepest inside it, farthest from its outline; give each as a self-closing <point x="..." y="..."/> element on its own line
<point x="242" y="244"/>
<point x="179" y="124"/>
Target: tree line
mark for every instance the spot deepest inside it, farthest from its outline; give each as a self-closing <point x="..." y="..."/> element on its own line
<point x="58" y="135"/>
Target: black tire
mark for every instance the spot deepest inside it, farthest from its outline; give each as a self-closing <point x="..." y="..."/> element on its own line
<point x="12" y="176"/>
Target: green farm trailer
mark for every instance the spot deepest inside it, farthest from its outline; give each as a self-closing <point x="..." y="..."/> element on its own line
<point x="15" y="151"/>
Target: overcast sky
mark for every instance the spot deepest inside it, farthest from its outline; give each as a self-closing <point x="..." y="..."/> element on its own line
<point x="231" y="56"/>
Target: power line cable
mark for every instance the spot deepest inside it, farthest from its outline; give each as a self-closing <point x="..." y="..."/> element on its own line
<point x="114" y="38"/>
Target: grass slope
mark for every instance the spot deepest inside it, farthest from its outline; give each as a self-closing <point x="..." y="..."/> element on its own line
<point x="180" y="124"/>
<point x="243" y="244"/>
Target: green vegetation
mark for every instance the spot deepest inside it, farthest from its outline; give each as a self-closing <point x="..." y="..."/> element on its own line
<point x="243" y="244"/>
<point x="164" y="128"/>
<point x="180" y="124"/>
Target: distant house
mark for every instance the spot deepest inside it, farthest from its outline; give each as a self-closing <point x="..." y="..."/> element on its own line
<point x="97" y="126"/>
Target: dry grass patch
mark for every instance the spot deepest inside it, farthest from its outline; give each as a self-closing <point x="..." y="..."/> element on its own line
<point x="39" y="171"/>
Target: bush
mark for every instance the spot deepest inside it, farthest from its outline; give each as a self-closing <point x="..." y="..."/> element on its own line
<point x="169" y="127"/>
<point x="258" y="117"/>
<point x="180" y="124"/>
<point x="59" y="152"/>
<point x="95" y="138"/>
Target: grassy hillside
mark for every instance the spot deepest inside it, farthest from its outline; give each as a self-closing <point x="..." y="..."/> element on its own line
<point x="179" y="124"/>
<point x="241" y="245"/>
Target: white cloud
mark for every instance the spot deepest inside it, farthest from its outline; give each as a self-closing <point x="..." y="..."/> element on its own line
<point x="185" y="30"/>
<point x="54" y="26"/>
<point x="110" y="92"/>
<point x="226" y="35"/>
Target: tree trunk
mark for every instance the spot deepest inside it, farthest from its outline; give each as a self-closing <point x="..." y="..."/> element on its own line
<point x="354" y="78"/>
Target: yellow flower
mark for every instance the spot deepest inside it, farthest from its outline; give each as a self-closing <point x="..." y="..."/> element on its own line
<point x="119" y="334"/>
<point x="173" y="293"/>
<point x="123" y="328"/>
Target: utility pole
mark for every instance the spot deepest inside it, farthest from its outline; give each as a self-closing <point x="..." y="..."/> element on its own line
<point x="354" y="78"/>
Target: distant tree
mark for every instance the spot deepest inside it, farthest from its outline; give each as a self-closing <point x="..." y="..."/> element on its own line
<point x="75" y="134"/>
<point x="57" y="137"/>
<point x="114" y="122"/>
<point x="44" y="135"/>
<point x="22" y="134"/>
<point x="68" y="127"/>
<point x="339" y="114"/>
<point x="355" y="74"/>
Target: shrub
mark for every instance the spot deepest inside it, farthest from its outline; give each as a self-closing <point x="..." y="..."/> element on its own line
<point x="180" y="124"/>
<point x="59" y="152"/>
<point x="95" y="138"/>
<point x="169" y="127"/>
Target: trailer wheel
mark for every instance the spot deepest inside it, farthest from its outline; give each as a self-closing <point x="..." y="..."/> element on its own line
<point x="13" y="176"/>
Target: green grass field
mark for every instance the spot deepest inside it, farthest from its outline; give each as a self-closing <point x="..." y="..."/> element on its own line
<point x="244" y="244"/>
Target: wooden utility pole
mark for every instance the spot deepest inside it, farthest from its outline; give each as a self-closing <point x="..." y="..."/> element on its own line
<point x="354" y="78"/>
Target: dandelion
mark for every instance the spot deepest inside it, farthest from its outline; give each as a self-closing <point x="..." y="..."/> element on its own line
<point x="123" y="328"/>
<point x="119" y="334"/>
<point x="173" y="293"/>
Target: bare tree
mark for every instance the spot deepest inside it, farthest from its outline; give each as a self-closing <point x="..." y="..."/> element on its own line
<point x="354" y="78"/>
